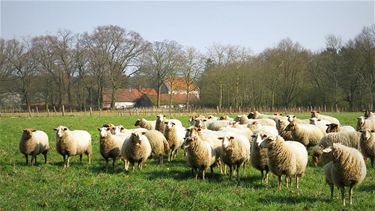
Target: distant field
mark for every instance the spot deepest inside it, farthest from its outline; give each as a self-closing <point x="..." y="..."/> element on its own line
<point x="170" y="186"/>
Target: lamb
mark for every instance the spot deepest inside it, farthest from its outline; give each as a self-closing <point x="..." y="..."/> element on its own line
<point x="308" y="135"/>
<point x="334" y="128"/>
<point x="348" y="168"/>
<point x="33" y="142"/>
<point x="365" y="124"/>
<point x="175" y="136"/>
<point x="72" y="142"/>
<point x="143" y="123"/>
<point x="287" y="158"/>
<point x="136" y="148"/>
<point x="325" y="117"/>
<point x="258" y="156"/>
<point x="236" y="152"/>
<point x="159" y="144"/>
<point x="110" y="145"/>
<point x="200" y="155"/>
<point x="160" y="119"/>
<point x="367" y="144"/>
<point x="351" y="139"/>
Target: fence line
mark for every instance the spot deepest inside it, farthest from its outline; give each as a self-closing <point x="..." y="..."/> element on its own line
<point x="34" y="112"/>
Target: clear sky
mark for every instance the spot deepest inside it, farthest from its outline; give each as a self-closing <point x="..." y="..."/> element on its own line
<point x="252" y="24"/>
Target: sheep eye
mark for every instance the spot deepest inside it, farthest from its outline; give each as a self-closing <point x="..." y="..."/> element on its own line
<point x="65" y="128"/>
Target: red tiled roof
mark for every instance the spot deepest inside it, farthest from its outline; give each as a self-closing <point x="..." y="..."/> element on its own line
<point x="180" y="84"/>
<point x="176" y="98"/>
<point x="126" y="95"/>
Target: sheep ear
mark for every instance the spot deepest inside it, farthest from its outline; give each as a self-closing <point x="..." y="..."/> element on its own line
<point x="372" y="131"/>
<point x="188" y="129"/>
<point x="25" y="130"/>
<point x="231" y="137"/>
<point x="98" y="128"/>
<point x="143" y="133"/>
<point x="55" y="129"/>
<point x="65" y="129"/>
<point x="328" y="125"/>
<point x="220" y="138"/>
<point x="173" y="123"/>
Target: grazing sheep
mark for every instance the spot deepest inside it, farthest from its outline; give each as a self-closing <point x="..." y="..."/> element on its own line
<point x="306" y="134"/>
<point x="110" y="145"/>
<point x="175" y="135"/>
<point x="200" y="155"/>
<point x="350" y="139"/>
<point x="236" y="152"/>
<point x="365" y="124"/>
<point x="143" y="123"/>
<point x="241" y="119"/>
<point x="72" y="142"/>
<point x="287" y="158"/>
<point x="325" y="117"/>
<point x="159" y="144"/>
<point x="33" y="142"/>
<point x="367" y="144"/>
<point x="136" y="149"/>
<point x="348" y="168"/>
<point x="333" y="127"/>
<point x="160" y="119"/>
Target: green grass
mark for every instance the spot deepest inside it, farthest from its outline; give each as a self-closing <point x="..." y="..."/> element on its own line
<point x="170" y="186"/>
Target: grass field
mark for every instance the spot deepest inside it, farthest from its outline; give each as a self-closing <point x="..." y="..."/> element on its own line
<point x="170" y="186"/>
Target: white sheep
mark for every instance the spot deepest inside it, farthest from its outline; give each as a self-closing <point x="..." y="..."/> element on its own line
<point x="325" y="117"/>
<point x="268" y="122"/>
<point x="200" y="155"/>
<point x="281" y="125"/>
<point x="159" y="144"/>
<point x="136" y="149"/>
<point x="160" y="119"/>
<point x="306" y="134"/>
<point x="333" y="127"/>
<point x="236" y="152"/>
<point x="365" y="124"/>
<point x="287" y="158"/>
<point x="367" y="144"/>
<point x="293" y="118"/>
<point x="320" y="123"/>
<point x="33" y="142"/>
<point x="72" y="142"/>
<point x="348" y="168"/>
<point x="351" y="139"/>
<point x="175" y="136"/>
<point x="110" y="145"/>
<point x="217" y="125"/>
<point x="143" y="123"/>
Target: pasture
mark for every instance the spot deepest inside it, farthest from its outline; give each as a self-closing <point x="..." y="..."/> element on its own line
<point x="170" y="186"/>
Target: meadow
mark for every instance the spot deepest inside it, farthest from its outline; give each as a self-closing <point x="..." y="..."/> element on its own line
<point x="167" y="187"/>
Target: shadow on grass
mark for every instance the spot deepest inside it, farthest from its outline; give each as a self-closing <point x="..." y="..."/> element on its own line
<point x="291" y="198"/>
<point x="367" y="188"/>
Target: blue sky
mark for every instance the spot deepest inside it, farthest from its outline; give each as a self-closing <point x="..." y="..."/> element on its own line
<point x="252" y="24"/>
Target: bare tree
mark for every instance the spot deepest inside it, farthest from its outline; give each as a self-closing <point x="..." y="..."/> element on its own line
<point x="160" y="60"/>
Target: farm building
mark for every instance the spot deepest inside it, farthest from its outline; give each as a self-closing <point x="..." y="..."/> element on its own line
<point x="172" y="92"/>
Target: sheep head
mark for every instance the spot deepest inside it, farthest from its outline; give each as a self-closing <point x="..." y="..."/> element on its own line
<point x="60" y="131"/>
<point x="104" y="131"/>
<point x="226" y="141"/>
<point x="27" y="132"/>
<point x="333" y="127"/>
<point x="317" y="152"/>
<point x="360" y="122"/>
<point x="291" y="126"/>
<point x="366" y="134"/>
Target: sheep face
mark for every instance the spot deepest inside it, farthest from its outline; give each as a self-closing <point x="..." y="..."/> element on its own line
<point x="119" y="129"/>
<point x="368" y="114"/>
<point x="333" y="127"/>
<point x="333" y="151"/>
<point x="252" y="115"/>
<point x="291" y="126"/>
<point x="104" y="131"/>
<point x="260" y="140"/>
<point x="366" y="134"/>
<point x="190" y="140"/>
<point x="267" y="142"/>
<point x="169" y="124"/>
<point x="314" y="114"/>
<point x="60" y="131"/>
<point x="291" y="118"/>
<point x="360" y="122"/>
<point x="139" y="122"/>
<point x="316" y="154"/>
<point x="226" y="141"/>
<point x="136" y="138"/>
<point x="27" y="132"/>
<point x="160" y="117"/>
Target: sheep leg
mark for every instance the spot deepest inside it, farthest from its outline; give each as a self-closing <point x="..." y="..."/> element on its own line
<point x="266" y="177"/>
<point x="372" y="162"/>
<point x="238" y="172"/>
<point x="80" y="157"/>
<point x="27" y="159"/>
<point x="230" y="172"/>
<point x="89" y="157"/>
<point x="106" y="164"/>
<point x="196" y="173"/>
<point x="212" y="171"/>
<point x="161" y="159"/>
<point x="279" y="182"/>
<point x="67" y="163"/>
<point x="140" y="164"/>
<point x="64" y="158"/>
<point x="343" y="195"/>
<point x="203" y="173"/>
<point x="33" y="159"/>
<point x="351" y="194"/>
<point x="113" y="163"/>
<point x="297" y="182"/>
<point x="286" y="181"/>
<point x="126" y="165"/>
<point x="45" y="157"/>
<point x="331" y="186"/>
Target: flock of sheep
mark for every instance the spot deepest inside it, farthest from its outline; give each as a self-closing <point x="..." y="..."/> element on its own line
<point x="273" y="143"/>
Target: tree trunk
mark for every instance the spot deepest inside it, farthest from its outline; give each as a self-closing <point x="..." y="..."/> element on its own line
<point x="220" y="95"/>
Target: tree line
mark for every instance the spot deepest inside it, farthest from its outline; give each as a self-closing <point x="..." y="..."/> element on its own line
<point x="73" y="70"/>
